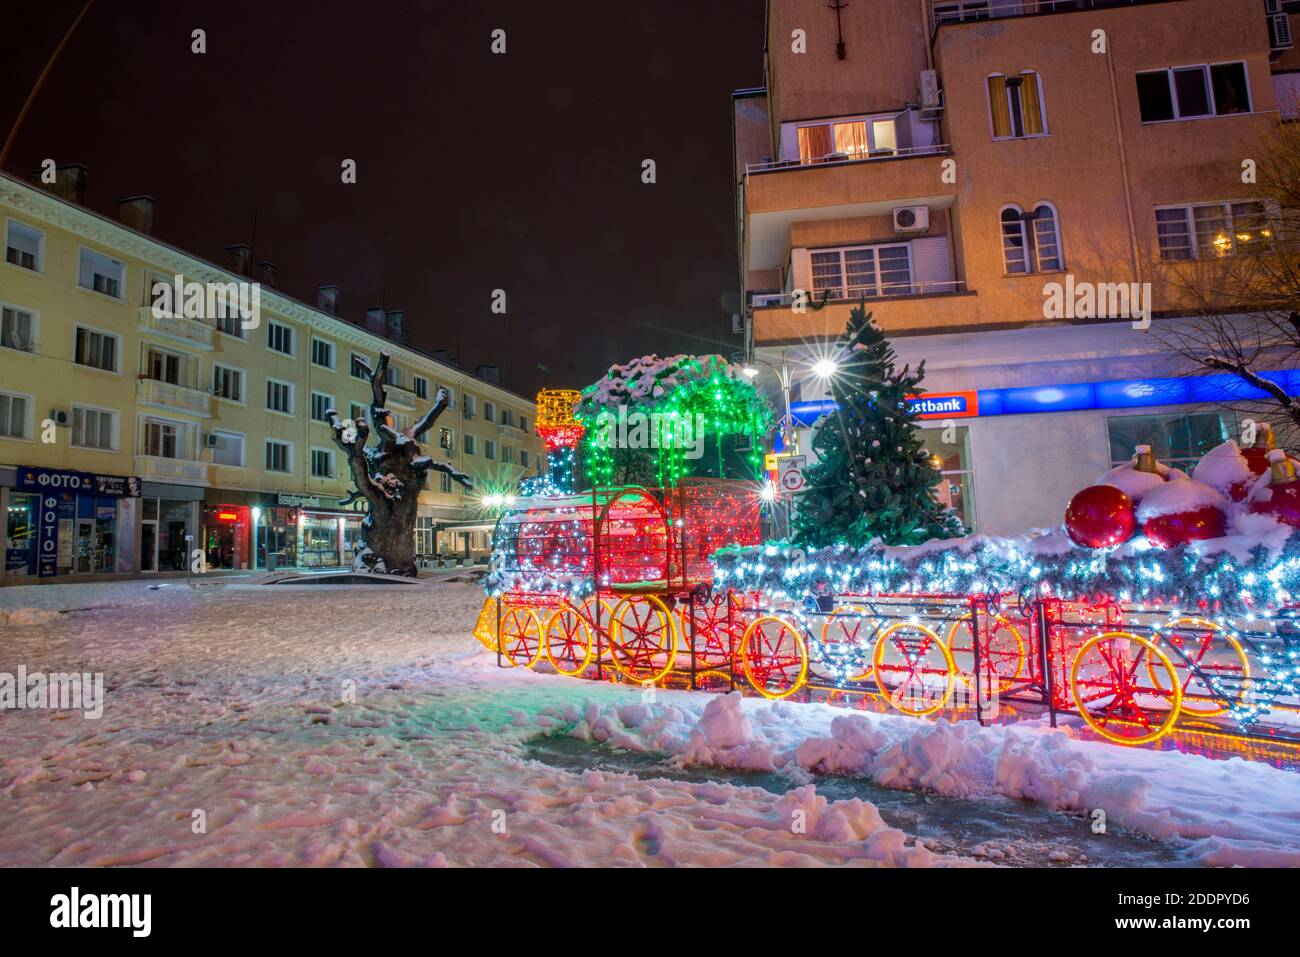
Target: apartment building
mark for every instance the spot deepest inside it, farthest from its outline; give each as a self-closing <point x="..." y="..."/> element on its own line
<point x="949" y="161"/>
<point x="130" y="440"/>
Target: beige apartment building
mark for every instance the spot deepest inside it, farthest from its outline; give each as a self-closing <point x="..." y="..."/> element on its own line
<point x="948" y="161"/>
<point x="129" y="440"/>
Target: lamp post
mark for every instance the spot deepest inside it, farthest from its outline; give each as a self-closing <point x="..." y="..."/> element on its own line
<point x="789" y="436"/>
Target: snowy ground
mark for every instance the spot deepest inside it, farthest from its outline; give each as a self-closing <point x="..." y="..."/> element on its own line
<point x="232" y="701"/>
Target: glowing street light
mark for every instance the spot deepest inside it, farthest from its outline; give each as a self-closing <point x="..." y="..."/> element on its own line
<point x="825" y="368"/>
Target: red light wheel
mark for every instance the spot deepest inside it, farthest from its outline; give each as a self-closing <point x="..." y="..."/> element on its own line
<point x="1211" y="665"/>
<point x="913" y="668"/>
<point x="642" y="638"/>
<point x="717" y="636"/>
<point x="1115" y="694"/>
<point x="1002" y="651"/>
<point x="568" y="641"/>
<point x="774" y="656"/>
<point x="521" y="636"/>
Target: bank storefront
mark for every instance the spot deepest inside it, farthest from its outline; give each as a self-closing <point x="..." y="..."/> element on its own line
<point x="65" y="522"/>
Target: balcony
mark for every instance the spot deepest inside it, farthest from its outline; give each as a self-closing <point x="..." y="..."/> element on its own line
<point x="160" y="469"/>
<point x="970" y="11"/>
<point x="512" y="432"/>
<point x="929" y="306"/>
<point x="173" y="397"/>
<point x="191" y="332"/>
<point x="400" y="398"/>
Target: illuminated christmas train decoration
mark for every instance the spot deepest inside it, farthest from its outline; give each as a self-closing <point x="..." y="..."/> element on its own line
<point x="673" y="587"/>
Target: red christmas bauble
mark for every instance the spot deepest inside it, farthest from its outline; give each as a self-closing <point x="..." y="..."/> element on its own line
<point x="1257" y="458"/>
<point x="1283" y="503"/>
<point x="1100" y="516"/>
<point x="1182" y="527"/>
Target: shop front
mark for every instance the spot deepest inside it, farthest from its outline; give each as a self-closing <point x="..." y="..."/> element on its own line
<point x="169" y="527"/>
<point x="64" y="522"/>
<point x="299" y="531"/>
<point x="226" y="531"/>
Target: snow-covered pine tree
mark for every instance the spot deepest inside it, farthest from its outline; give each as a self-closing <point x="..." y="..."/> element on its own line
<point x="388" y="475"/>
<point x="873" y="478"/>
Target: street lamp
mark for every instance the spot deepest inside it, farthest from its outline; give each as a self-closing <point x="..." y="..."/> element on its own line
<point x="750" y="371"/>
<point x="825" y="368"/>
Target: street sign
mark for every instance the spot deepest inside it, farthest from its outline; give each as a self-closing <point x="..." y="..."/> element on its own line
<point x="790" y="472"/>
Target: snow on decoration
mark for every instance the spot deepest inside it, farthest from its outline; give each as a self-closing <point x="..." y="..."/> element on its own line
<point x="1225" y="468"/>
<point x="1182" y="511"/>
<point x="1281" y="497"/>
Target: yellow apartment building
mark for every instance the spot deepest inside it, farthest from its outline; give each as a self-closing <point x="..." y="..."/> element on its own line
<point x="948" y="160"/>
<point x="130" y="440"/>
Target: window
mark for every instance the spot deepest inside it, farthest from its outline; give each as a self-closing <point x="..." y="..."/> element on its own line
<point x="1210" y="230"/>
<point x="96" y="349"/>
<point x="421" y="385"/>
<point x="320" y="406"/>
<point x="489" y="449"/>
<point x="1188" y="92"/>
<point x="1031" y="242"/>
<point x="490" y="413"/>
<point x="848" y="139"/>
<point x="231" y="325"/>
<point x="1016" y="106"/>
<point x="953" y="460"/>
<point x="322" y="463"/>
<point x="1177" y="439"/>
<point x="445" y="483"/>
<point x="524" y="459"/>
<point x="279" y="338"/>
<point x="424" y="535"/>
<point x="358" y="368"/>
<point x="523" y="422"/>
<point x="23" y="246"/>
<point x="279" y="396"/>
<point x="470" y="406"/>
<point x="399" y="421"/>
<point x="322" y="353"/>
<point x="508" y="454"/>
<point x="161" y="439"/>
<point x="13" y="415"/>
<point x="163" y="366"/>
<point x="101" y="273"/>
<point x="279" y="456"/>
<point x="228" y="383"/>
<point x="396" y="376"/>
<point x="356" y="412"/>
<point x="470" y="444"/>
<point x="17" y="329"/>
<point x="94" y="428"/>
<point x="446" y="439"/>
<point x="863" y="271"/>
<point x="228" y="449"/>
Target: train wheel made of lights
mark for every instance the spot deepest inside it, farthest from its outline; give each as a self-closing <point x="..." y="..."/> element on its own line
<point x="568" y="641"/>
<point x="1114" y="694"/>
<point x="846" y="638"/>
<point x="774" y="656"/>
<point x="1213" y="654"/>
<point x="913" y="668"/>
<point x="1002" y="651"/>
<point x="642" y="638"/>
<point x="715" y="637"/>
<point x="521" y="636"/>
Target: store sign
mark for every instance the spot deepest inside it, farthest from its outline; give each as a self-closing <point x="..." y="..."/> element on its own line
<point x="63" y="480"/>
<point x="944" y="405"/>
<point x="227" y="516"/>
<point x="298" y="501"/>
<point x="56" y="515"/>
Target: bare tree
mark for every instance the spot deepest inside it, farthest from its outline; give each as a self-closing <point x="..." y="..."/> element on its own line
<point x="388" y="475"/>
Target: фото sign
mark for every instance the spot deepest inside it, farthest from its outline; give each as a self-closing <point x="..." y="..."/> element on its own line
<point x="86" y="483"/>
<point x="944" y="405"/>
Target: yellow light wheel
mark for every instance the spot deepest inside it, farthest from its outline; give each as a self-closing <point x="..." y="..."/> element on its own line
<point x="485" y="629"/>
<point x="1114" y="694"/>
<point x="1002" y="651"/>
<point x="568" y="641"/>
<point x="643" y="638"/>
<point x="1212" y="656"/>
<point x="913" y="668"/>
<point x="774" y="656"/>
<point x="521" y="636"/>
<point x="846" y="639"/>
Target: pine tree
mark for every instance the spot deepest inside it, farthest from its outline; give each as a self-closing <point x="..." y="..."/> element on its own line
<point x="873" y="478"/>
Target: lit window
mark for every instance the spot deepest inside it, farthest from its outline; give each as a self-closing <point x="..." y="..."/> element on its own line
<point x="1016" y="106"/>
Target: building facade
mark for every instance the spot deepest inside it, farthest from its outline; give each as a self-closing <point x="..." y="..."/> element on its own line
<point x="950" y="162"/>
<point x="129" y="440"/>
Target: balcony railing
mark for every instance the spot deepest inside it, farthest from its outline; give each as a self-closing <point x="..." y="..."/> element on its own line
<point x="168" y="395"/>
<point x="899" y="290"/>
<point x="402" y="398"/>
<point x="512" y="432"/>
<point x="186" y="471"/>
<point x="190" y="331"/>
<point x="839" y="159"/>
<point x="966" y="11"/>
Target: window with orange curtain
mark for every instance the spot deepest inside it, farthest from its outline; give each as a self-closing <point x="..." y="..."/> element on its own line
<point x="814" y="142"/>
<point x="851" y="139"/>
<point x="1001" y="113"/>
<point x="1031" y="104"/>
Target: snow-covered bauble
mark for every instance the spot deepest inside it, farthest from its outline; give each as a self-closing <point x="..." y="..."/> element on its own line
<point x="1180" y="511"/>
<point x="1140" y="475"/>
<point x="1226" y="468"/>
<point x="1100" y="516"/>
<point x="1257" y="454"/>
<point x="1281" y="497"/>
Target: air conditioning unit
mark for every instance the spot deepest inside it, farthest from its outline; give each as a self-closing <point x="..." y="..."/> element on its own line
<point x="1279" y="33"/>
<point x="59" y="416"/>
<point x="211" y="441"/>
<point x="931" y="95"/>
<point x="911" y="219"/>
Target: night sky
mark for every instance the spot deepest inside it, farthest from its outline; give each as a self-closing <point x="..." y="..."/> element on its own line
<point x="475" y="171"/>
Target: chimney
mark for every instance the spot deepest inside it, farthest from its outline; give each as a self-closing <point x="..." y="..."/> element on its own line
<point x="69" y="182"/>
<point x="239" y="259"/>
<point x="376" y="321"/>
<point x="489" y="373"/>
<point x="396" y="322"/>
<point x="266" y="273"/>
<point x="136" y="212"/>
<point x="327" y="299"/>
